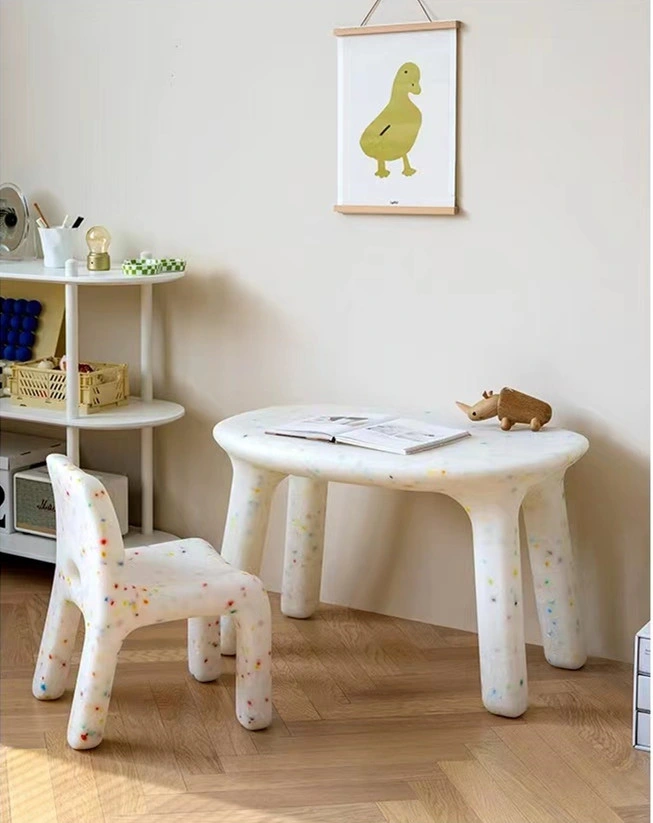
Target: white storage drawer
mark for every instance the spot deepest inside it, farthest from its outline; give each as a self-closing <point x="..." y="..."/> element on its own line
<point x="644" y="656"/>
<point x="644" y="692"/>
<point x="643" y="731"/>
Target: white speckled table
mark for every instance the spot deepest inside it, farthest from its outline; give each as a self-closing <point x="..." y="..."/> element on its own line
<point x="491" y="474"/>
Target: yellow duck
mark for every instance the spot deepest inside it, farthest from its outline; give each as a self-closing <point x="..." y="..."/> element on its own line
<point x="392" y="134"/>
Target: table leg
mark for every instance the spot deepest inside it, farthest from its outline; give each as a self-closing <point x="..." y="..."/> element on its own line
<point x="247" y="519"/>
<point x="554" y="576"/>
<point x="302" y="566"/>
<point x="497" y="568"/>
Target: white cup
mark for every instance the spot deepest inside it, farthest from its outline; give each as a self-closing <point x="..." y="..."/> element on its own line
<point x="57" y="244"/>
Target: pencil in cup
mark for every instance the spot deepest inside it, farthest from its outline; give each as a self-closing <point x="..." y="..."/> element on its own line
<point x="41" y="215"/>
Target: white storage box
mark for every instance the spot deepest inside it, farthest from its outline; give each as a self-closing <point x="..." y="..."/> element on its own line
<point x="18" y="451"/>
<point x="642" y="690"/>
<point x="34" y="501"/>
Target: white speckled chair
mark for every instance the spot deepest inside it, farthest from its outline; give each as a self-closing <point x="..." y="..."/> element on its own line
<point x="119" y="590"/>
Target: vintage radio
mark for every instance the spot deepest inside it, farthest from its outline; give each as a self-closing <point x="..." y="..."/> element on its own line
<point x="18" y="451"/>
<point x="34" y="500"/>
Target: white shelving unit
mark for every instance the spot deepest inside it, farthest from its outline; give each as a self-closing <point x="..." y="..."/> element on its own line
<point x="142" y="412"/>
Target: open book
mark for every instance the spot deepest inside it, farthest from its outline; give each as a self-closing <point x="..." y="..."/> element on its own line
<point x="399" y="435"/>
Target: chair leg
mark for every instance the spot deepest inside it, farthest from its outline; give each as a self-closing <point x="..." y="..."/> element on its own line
<point x="93" y="689"/>
<point x="204" y="661"/>
<point x="253" y="664"/>
<point x="57" y="644"/>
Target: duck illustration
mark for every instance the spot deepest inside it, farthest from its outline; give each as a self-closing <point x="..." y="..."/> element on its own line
<point x="392" y="134"/>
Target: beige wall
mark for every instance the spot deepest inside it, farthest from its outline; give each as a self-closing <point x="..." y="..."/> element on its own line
<point x="207" y="129"/>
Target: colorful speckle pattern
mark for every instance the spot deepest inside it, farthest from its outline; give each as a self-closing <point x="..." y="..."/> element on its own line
<point x="120" y="590"/>
<point x="489" y="473"/>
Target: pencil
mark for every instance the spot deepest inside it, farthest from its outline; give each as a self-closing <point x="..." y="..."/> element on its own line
<point x="41" y="215"/>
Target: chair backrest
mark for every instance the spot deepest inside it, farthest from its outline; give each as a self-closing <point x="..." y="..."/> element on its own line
<point x="88" y="531"/>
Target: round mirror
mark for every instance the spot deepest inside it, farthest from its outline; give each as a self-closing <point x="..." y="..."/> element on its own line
<point x="14" y="218"/>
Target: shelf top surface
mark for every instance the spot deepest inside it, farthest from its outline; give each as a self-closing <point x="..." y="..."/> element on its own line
<point x="36" y="271"/>
<point x="135" y="415"/>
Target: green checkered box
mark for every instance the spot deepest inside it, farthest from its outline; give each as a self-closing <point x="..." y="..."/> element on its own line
<point x="172" y="264"/>
<point x="142" y="267"/>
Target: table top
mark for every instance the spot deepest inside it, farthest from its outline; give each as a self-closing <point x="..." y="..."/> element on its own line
<point x="516" y="455"/>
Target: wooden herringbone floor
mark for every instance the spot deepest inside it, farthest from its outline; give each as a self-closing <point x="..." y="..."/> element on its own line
<point x="377" y="719"/>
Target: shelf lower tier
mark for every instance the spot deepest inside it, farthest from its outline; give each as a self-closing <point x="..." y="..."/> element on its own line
<point x="135" y="415"/>
<point x="44" y="548"/>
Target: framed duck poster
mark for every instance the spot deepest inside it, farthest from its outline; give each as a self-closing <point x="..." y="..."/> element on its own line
<point x="397" y="118"/>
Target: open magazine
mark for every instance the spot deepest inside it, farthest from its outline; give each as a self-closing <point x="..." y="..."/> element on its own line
<point x="399" y="435"/>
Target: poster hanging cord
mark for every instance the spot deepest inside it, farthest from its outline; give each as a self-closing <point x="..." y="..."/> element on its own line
<point x="377" y="3"/>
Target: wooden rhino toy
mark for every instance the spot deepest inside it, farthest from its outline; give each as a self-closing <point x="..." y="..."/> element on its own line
<point x="510" y="407"/>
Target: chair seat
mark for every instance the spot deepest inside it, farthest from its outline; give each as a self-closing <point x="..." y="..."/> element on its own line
<point x="184" y="576"/>
<point x="166" y="564"/>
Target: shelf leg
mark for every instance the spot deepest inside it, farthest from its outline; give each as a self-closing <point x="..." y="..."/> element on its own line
<point x="146" y="344"/>
<point x="147" y="394"/>
<point x="147" y="481"/>
<point x="72" y="371"/>
<point x="72" y="444"/>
